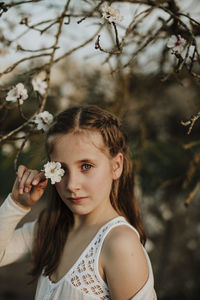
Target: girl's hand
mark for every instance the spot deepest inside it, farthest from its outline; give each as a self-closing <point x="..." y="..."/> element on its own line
<point x="29" y="187"/>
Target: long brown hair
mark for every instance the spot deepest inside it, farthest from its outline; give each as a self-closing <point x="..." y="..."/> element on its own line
<point x="55" y="221"/>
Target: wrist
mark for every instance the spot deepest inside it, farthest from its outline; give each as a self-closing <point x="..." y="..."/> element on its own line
<point x="19" y="204"/>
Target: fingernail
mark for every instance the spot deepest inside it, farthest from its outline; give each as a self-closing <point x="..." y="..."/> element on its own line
<point x="26" y="190"/>
<point x="21" y="191"/>
<point x="34" y="182"/>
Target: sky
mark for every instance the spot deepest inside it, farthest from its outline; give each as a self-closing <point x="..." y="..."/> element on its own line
<point x="74" y="33"/>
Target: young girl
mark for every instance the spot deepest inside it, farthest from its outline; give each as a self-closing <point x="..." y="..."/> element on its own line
<point x="88" y="243"/>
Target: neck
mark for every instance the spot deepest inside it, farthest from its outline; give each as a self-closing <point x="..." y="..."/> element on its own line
<point x="97" y="217"/>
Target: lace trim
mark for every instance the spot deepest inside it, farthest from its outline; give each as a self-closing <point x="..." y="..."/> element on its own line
<point x="84" y="274"/>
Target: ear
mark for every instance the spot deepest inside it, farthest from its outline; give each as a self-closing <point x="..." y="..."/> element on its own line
<point x="117" y="166"/>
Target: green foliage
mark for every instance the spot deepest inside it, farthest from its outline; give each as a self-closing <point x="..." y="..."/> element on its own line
<point x="34" y="158"/>
<point x="162" y="162"/>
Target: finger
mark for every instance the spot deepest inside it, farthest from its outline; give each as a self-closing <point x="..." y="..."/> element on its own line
<point x="29" y="180"/>
<point x="38" y="190"/>
<point x="23" y="181"/>
<point x="40" y="177"/>
<point x="20" y="172"/>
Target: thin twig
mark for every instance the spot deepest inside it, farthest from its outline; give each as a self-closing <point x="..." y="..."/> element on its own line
<point x="116" y="36"/>
<point x="91" y="12"/>
<point x="98" y="46"/>
<point x="61" y="20"/>
<point x="191" y="122"/>
<point x="191" y="195"/>
<point x="21" y="2"/>
<point x="25" y="139"/>
<point x="14" y="131"/>
<point x="36" y="50"/>
<point x="20" y="110"/>
<point x="79" y="46"/>
<point x="12" y="67"/>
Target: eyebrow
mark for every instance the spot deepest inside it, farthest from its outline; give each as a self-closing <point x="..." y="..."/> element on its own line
<point x="84" y="160"/>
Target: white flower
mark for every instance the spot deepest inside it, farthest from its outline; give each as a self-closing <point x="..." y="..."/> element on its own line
<point x="43" y="120"/>
<point x="176" y="44"/>
<point x="111" y="14"/>
<point x="53" y="171"/>
<point x="39" y="83"/>
<point x="17" y="93"/>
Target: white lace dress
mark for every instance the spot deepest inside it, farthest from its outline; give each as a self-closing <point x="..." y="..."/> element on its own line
<point x="82" y="281"/>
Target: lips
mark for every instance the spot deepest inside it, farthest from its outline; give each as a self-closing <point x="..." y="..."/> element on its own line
<point x="76" y="200"/>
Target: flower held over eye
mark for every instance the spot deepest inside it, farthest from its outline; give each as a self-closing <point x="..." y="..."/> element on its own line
<point x="176" y="43"/>
<point x="53" y="171"/>
<point x="111" y="14"/>
<point x="17" y="93"/>
<point x="43" y="120"/>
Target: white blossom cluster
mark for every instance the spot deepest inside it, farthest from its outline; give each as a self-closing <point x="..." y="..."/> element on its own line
<point x="43" y="120"/>
<point x="111" y="14"/>
<point x="53" y="171"/>
<point x="39" y="83"/>
<point x="19" y="93"/>
<point x="176" y="43"/>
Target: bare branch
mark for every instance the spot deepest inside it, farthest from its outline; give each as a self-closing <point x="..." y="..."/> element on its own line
<point x="12" y="67"/>
<point x="22" y="2"/>
<point x="191" y="122"/>
<point x="91" y="12"/>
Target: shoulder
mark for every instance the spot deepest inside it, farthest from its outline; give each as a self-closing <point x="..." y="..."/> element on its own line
<point x="124" y="262"/>
<point x="122" y="236"/>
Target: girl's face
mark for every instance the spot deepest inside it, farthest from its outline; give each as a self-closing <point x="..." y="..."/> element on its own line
<point x="89" y="171"/>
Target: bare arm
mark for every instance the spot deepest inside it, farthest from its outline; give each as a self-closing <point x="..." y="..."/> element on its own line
<point x="124" y="263"/>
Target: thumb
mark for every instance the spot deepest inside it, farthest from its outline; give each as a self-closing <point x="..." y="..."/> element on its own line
<point x="38" y="190"/>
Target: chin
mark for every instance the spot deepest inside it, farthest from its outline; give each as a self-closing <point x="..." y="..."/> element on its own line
<point x="80" y="210"/>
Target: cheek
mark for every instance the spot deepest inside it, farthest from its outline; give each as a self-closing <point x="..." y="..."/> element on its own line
<point x="103" y="177"/>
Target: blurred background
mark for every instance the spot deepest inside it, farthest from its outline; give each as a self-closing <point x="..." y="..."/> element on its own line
<point x="150" y="97"/>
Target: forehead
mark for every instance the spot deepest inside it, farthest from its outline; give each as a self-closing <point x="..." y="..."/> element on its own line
<point x="78" y="145"/>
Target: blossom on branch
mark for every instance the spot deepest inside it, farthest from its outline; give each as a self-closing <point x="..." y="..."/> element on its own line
<point x="111" y="14"/>
<point x="176" y="43"/>
<point x="43" y="120"/>
<point x="39" y="83"/>
<point x="53" y="171"/>
<point x="18" y="93"/>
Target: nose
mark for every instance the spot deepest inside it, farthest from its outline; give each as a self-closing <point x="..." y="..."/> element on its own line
<point x="73" y="181"/>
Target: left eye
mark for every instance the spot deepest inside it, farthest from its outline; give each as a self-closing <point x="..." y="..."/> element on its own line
<point x="86" y="167"/>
